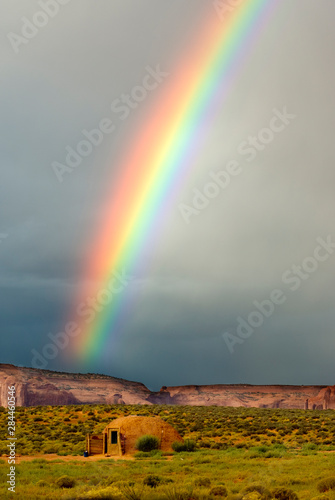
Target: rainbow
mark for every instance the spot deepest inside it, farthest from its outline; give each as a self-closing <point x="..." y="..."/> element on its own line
<point x="160" y="159"/>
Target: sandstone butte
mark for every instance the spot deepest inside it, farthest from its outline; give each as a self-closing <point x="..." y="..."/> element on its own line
<point x="36" y="387"/>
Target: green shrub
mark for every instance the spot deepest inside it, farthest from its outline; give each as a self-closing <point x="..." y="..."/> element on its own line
<point x="309" y="449"/>
<point x="259" y="488"/>
<point x="148" y="454"/>
<point x="218" y="491"/>
<point x="152" y="480"/>
<point x="284" y="494"/>
<point x="187" y="445"/>
<point x="39" y="461"/>
<point x="253" y="495"/>
<point x="103" y="494"/>
<point x="177" y="446"/>
<point x="178" y="493"/>
<point x="204" y="444"/>
<point x="203" y="481"/>
<point x="218" y="446"/>
<point x="262" y="449"/>
<point x="65" y="482"/>
<point x="190" y="445"/>
<point x="130" y="492"/>
<point x="42" y="483"/>
<point x="326" y="484"/>
<point x="94" y="481"/>
<point x="147" y="443"/>
<point x="63" y="452"/>
<point x="51" y="448"/>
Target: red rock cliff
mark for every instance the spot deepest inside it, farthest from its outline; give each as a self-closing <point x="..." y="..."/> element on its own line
<point x="43" y="387"/>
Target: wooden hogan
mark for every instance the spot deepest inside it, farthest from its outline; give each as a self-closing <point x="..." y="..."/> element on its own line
<point x="120" y="436"/>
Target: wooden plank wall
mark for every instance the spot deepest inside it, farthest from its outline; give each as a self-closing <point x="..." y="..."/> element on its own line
<point x="94" y="444"/>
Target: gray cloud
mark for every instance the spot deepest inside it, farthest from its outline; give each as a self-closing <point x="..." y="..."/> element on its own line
<point x="196" y="278"/>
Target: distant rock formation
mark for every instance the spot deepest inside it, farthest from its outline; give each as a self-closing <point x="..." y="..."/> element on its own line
<point x="259" y="396"/>
<point x="36" y="387"/>
<point x="161" y="398"/>
<point x="325" y="400"/>
<point x="117" y="400"/>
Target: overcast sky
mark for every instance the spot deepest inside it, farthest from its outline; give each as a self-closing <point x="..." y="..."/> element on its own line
<point x="204" y="270"/>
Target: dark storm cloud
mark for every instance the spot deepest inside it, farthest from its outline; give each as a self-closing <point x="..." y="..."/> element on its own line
<point x="200" y="277"/>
